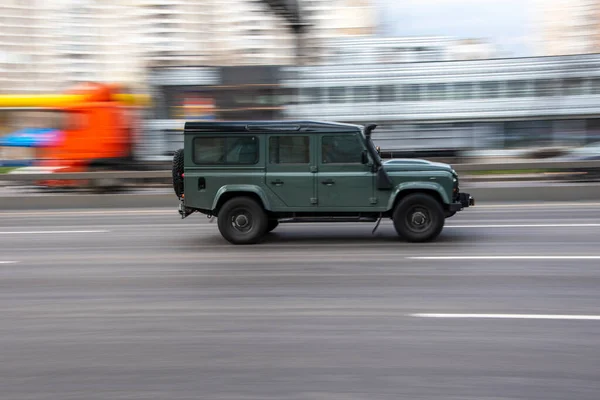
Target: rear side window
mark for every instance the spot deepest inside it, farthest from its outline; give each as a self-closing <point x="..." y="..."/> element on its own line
<point x="226" y="150"/>
<point x="289" y="150"/>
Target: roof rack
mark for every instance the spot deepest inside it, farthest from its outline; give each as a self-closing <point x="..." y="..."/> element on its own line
<point x="269" y="126"/>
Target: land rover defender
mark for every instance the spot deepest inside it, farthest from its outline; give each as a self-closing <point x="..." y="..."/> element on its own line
<point x="252" y="176"/>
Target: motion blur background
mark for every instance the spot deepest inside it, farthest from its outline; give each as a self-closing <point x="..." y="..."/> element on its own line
<point x="451" y="79"/>
<point x="113" y="296"/>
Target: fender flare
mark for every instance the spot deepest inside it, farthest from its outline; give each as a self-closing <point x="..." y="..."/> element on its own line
<point x="428" y="186"/>
<point x="242" y="189"/>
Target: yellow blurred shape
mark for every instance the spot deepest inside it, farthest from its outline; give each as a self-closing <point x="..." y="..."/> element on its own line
<point x="63" y="100"/>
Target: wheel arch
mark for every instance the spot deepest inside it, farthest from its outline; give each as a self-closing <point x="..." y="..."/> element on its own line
<point x="231" y="191"/>
<point x="434" y="190"/>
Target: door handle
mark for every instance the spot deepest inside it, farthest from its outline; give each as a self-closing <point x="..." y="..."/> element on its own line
<point x="277" y="182"/>
<point x="328" y="182"/>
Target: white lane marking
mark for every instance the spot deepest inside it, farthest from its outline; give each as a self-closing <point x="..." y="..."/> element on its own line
<point x="171" y="211"/>
<point x="510" y="316"/>
<point x="526" y="226"/>
<point x="504" y="258"/>
<point x="8" y="262"/>
<point x="50" y="232"/>
<point x="536" y="205"/>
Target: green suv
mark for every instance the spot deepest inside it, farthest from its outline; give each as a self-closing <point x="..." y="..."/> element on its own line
<point x="254" y="175"/>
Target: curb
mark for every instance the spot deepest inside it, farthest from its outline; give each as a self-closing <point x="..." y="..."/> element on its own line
<point x="88" y="201"/>
<point x="490" y="194"/>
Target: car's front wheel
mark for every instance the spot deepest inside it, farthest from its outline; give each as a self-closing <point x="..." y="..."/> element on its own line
<point x="242" y="220"/>
<point x="419" y="217"/>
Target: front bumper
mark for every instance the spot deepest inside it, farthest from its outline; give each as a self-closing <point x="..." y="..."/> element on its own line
<point x="464" y="200"/>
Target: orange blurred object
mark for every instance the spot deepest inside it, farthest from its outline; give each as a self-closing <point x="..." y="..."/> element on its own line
<point x="97" y="133"/>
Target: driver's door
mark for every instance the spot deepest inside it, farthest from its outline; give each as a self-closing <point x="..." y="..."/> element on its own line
<point x="343" y="180"/>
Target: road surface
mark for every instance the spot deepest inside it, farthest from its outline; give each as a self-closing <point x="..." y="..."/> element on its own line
<point x="125" y="304"/>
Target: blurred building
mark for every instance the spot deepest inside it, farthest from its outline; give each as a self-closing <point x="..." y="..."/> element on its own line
<point x="93" y="42"/>
<point x="331" y="19"/>
<point x="440" y="107"/>
<point x="450" y="106"/>
<point x="472" y="49"/>
<point x="26" y="57"/>
<point x="568" y="27"/>
<point x="49" y="45"/>
<point x="375" y="50"/>
<point x="210" y="32"/>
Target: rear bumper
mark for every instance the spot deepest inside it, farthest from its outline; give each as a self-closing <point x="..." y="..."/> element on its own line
<point x="464" y="200"/>
<point x="184" y="211"/>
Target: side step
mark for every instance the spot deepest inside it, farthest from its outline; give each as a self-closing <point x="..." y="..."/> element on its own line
<point x="327" y="219"/>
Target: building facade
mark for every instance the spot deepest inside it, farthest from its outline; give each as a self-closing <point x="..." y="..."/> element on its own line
<point x="568" y="27"/>
<point x="427" y="107"/>
<point x="376" y="50"/>
<point x="457" y="105"/>
<point x="27" y="62"/>
<point x="185" y="93"/>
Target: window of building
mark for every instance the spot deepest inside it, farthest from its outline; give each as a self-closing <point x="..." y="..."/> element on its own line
<point x="311" y="95"/>
<point x="463" y="90"/>
<point x="490" y="90"/>
<point x="544" y="88"/>
<point x="516" y="88"/>
<point x="337" y="94"/>
<point x="573" y="87"/>
<point x="226" y="150"/>
<point x="595" y="86"/>
<point x="436" y="91"/>
<point x="386" y="93"/>
<point x="411" y="93"/>
<point x="523" y="134"/>
<point x="341" y="149"/>
<point x="362" y="94"/>
<point x="289" y="150"/>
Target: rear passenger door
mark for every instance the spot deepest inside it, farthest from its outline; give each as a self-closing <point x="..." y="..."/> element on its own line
<point x="291" y="169"/>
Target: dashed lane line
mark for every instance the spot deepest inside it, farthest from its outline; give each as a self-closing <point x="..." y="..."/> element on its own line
<point x="513" y="257"/>
<point x="52" y="232"/>
<point x="511" y="316"/>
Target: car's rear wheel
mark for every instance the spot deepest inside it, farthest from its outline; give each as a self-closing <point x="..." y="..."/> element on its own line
<point x="242" y="220"/>
<point x="419" y="217"/>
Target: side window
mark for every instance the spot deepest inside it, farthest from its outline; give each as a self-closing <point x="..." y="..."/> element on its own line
<point x="226" y="150"/>
<point x="341" y="149"/>
<point x="289" y="150"/>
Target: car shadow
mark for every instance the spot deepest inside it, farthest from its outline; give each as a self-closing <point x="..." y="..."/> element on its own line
<point x="335" y="235"/>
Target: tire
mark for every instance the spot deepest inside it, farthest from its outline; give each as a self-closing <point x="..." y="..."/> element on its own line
<point x="251" y="226"/>
<point x="273" y="223"/>
<point x="177" y="172"/>
<point x="408" y="218"/>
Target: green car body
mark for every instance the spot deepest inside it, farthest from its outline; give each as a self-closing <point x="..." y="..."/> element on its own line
<point x="303" y="171"/>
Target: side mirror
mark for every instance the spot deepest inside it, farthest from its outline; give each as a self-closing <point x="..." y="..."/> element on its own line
<point x="364" y="157"/>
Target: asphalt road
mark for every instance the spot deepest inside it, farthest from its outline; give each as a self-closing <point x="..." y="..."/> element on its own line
<point x="124" y="304"/>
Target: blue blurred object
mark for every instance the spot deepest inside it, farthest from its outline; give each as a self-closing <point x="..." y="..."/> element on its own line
<point x="16" y="163"/>
<point x="31" y="137"/>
